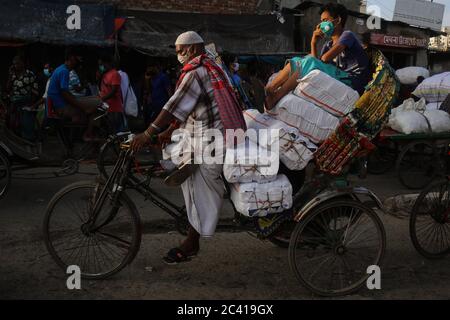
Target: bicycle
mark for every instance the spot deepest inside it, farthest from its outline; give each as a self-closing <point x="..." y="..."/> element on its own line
<point x="335" y="236"/>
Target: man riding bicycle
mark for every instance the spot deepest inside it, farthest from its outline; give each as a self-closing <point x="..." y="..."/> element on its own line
<point x="204" y="96"/>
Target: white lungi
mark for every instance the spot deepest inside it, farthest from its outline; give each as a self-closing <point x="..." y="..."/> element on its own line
<point x="203" y="194"/>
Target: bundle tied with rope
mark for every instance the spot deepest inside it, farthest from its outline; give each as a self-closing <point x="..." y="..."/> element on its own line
<point x="262" y="199"/>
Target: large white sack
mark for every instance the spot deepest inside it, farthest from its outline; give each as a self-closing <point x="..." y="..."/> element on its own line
<point x="435" y="88"/>
<point x="409" y="75"/>
<point x="295" y="150"/>
<point x="439" y="120"/>
<point x="408" y="122"/>
<point x="312" y="122"/>
<point x="249" y="162"/>
<point x="328" y="93"/>
<point x="411" y="105"/>
<point x="262" y="199"/>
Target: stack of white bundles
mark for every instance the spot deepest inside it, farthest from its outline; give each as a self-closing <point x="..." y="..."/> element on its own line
<point x="435" y="88"/>
<point x="249" y="162"/>
<point x="408" y="122"/>
<point x="266" y="128"/>
<point x="260" y="200"/>
<point x="312" y="122"/>
<point x="328" y="93"/>
<point x="295" y="150"/>
<point x="409" y="75"/>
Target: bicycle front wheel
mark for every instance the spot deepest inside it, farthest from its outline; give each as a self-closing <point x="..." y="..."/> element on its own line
<point x="101" y="248"/>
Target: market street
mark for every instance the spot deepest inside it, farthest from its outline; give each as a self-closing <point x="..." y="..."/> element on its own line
<point x="230" y="265"/>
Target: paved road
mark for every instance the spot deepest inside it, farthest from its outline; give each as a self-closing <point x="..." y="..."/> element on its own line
<point x="231" y="265"/>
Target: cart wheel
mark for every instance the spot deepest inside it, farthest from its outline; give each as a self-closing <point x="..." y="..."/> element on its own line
<point x="416" y="166"/>
<point x="100" y="251"/>
<point x="5" y="175"/>
<point x="429" y="225"/>
<point x="382" y="159"/>
<point x="331" y="249"/>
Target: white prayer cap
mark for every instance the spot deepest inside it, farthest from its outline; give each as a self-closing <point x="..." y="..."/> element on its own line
<point x="188" y="38"/>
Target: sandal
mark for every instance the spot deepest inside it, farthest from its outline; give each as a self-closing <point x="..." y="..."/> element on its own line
<point x="176" y="256"/>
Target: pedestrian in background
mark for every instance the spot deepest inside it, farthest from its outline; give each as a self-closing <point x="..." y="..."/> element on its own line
<point x="111" y="92"/>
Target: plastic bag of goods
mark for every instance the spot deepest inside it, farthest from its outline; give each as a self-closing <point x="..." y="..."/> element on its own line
<point x="408" y="122"/>
<point x="295" y="151"/>
<point x="249" y="162"/>
<point x="311" y="121"/>
<point x="328" y="93"/>
<point x="435" y="88"/>
<point x="260" y="200"/>
<point x="410" y="105"/>
<point x="409" y="75"/>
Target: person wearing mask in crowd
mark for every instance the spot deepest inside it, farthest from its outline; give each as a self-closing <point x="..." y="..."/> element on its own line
<point x="61" y="103"/>
<point x="111" y="92"/>
<point x="342" y="57"/>
<point x="23" y="89"/>
<point x="47" y="73"/>
<point x="203" y="100"/>
<point x="231" y="66"/>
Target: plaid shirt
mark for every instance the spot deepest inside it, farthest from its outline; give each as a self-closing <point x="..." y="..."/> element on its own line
<point x="190" y="104"/>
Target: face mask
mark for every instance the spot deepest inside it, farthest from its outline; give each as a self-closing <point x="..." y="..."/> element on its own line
<point x="101" y="68"/>
<point x="183" y="58"/>
<point x="236" y="67"/>
<point x="327" y="28"/>
<point x="47" y="73"/>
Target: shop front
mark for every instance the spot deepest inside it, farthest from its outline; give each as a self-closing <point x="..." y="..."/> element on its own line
<point x="401" y="51"/>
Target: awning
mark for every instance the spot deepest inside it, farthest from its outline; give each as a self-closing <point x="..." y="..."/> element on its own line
<point x="46" y="21"/>
<point x="156" y="32"/>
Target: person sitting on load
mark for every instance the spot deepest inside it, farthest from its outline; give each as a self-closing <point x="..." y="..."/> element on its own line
<point x="342" y="57"/>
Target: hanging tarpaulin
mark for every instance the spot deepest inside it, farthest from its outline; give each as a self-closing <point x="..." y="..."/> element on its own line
<point x="156" y="32"/>
<point x="59" y="22"/>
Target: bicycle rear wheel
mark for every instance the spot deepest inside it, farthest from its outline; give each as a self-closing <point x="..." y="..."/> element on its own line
<point x="429" y="226"/>
<point x="5" y="175"/>
<point x="331" y="249"/>
<point x="101" y="249"/>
